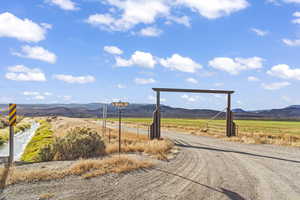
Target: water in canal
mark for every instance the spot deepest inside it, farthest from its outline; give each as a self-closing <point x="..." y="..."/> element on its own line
<point x="20" y="141"/>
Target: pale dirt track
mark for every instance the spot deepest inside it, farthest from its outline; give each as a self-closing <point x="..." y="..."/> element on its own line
<point x="205" y="168"/>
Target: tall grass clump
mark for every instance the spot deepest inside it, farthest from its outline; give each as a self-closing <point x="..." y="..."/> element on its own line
<point x="77" y="143"/>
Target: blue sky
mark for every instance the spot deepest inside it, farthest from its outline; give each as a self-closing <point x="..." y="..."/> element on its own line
<point x="80" y="51"/>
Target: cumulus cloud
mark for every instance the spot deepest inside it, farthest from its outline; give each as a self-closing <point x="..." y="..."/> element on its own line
<point x="113" y="50"/>
<point x="21" y="29"/>
<point x="192" y="80"/>
<point x="144" y="81"/>
<point x="64" y="4"/>
<point x="284" y="71"/>
<point x="139" y="58"/>
<point x="150" y="32"/>
<point x="259" y="32"/>
<point x="292" y="43"/>
<point x="36" y="52"/>
<point x="234" y="66"/>
<point x="133" y="12"/>
<point x="275" y="86"/>
<point x="180" y="63"/>
<point x="23" y="73"/>
<point x="75" y="79"/>
<point x="253" y="78"/>
<point x="214" y="8"/>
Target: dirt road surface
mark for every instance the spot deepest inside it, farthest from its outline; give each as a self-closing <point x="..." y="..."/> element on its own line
<point x="206" y="168"/>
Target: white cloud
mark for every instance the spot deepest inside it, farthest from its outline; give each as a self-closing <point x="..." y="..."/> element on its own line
<point x="180" y="63"/>
<point x="48" y="94"/>
<point x="113" y="50"/>
<point x="192" y="80"/>
<point x="39" y="97"/>
<point x="30" y="93"/>
<point x="296" y="21"/>
<point x="64" y="4"/>
<point x="296" y="14"/>
<point x="36" y="52"/>
<point x="275" y="86"/>
<point x="291" y="1"/>
<point x="184" y="20"/>
<point x="284" y="71"/>
<point x="253" y="78"/>
<point x="214" y="8"/>
<point x="126" y="14"/>
<point x="22" y="73"/>
<point x="190" y="98"/>
<point x="22" y="29"/>
<point x="234" y="66"/>
<point x="121" y="86"/>
<point x="218" y="84"/>
<point x="292" y="43"/>
<point x="260" y="32"/>
<point x="132" y="12"/>
<point x="150" y="32"/>
<point x="139" y="58"/>
<point x="153" y="99"/>
<point x="144" y="81"/>
<point x="75" y="79"/>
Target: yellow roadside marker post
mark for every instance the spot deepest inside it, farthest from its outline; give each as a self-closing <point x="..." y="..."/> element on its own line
<point x="12" y="115"/>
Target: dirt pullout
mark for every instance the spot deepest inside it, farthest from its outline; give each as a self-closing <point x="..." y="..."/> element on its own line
<point x="206" y="168"/>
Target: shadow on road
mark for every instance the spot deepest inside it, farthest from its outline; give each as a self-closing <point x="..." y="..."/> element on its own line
<point x="186" y="145"/>
<point x="230" y="194"/>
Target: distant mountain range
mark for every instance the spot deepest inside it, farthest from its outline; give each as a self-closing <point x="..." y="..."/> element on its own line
<point x="146" y="110"/>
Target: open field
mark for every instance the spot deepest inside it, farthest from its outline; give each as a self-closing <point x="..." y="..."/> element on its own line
<point x="248" y="131"/>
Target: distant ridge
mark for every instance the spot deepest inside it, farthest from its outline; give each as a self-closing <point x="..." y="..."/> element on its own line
<point x="146" y="110"/>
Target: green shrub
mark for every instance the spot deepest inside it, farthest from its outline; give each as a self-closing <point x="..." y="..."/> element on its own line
<point x="78" y="143"/>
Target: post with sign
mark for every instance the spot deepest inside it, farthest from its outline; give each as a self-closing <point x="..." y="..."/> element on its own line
<point x="120" y="105"/>
<point x="12" y="122"/>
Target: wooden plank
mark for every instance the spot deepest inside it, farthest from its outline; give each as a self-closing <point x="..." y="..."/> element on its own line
<point x="193" y="90"/>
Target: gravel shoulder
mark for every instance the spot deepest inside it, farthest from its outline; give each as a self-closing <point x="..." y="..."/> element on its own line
<point x="205" y="168"/>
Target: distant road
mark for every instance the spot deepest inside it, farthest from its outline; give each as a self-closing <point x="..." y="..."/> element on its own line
<point x="209" y="168"/>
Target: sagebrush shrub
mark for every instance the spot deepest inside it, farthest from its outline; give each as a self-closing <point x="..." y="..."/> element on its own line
<point x="78" y="143"/>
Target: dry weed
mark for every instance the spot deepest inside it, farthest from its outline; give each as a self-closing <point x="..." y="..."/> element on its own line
<point x="84" y="168"/>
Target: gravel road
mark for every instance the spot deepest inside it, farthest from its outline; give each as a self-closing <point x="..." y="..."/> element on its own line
<point x="205" y="168"/>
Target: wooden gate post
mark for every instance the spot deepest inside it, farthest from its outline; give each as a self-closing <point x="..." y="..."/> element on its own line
<point x="158" y="115"/>
<point x="228" y="116"/>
